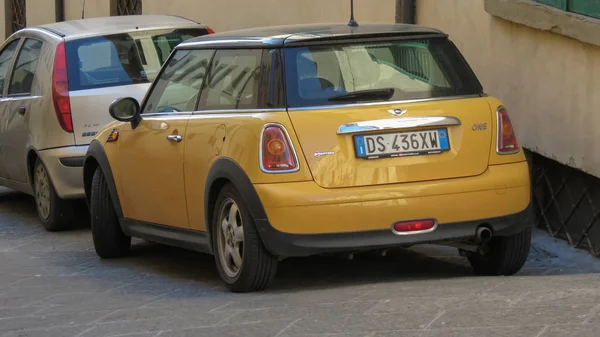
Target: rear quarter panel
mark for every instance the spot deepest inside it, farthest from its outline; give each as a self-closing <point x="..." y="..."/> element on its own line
<point x="44" y="130"/>
<point x="236" y="136"/>
<point x="90" y="108"/>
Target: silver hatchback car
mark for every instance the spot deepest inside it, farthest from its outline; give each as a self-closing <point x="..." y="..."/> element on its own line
<point x="56" y="83"/>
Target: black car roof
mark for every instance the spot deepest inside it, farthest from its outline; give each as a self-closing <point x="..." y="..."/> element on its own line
<point x="278" y="36"/>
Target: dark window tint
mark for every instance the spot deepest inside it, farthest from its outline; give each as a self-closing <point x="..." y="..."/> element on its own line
<point x="6" y="57"/>
<point x="122" y="59"/>
<point x="233" y="81"/>
<point x="24" y="73"/>
<point x="178" y="87"/>
<point x="414" y="69"/>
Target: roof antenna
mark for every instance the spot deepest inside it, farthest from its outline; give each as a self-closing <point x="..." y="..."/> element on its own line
<point x="352" y="22"/>
<point x="83" y="11"/>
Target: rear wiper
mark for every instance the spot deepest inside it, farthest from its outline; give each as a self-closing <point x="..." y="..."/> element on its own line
<point x="385" y="94"/>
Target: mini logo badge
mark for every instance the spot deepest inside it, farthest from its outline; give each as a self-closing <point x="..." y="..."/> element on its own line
<point x="321" y="154"/>
<point x="397" y="112"/>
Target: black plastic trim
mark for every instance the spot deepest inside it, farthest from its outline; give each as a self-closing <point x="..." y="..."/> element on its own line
<point x="172" y="236"/>
<point x="383" y="37"/>
<point x="227" y="168"/>
<point x="96" y="152"/>
<point x="72" y="161"/>
<point x="284" y="244"/>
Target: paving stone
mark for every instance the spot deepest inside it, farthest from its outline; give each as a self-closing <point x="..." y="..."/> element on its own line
<point x="314" y="311"/>
<point x="272" y="329"/>
<point x="572" y="331"/>
<point x="513" y="316"/>
<point x="524" y="331"/>
<point x="562" y="296"/>
<point x="49" y="320"/>
<point x="78" y="302"/>
<point x="362" y="323"/>
<point x="52" y="332"/>
<point x="349" y="334"/>
<point x="18" y="312"/>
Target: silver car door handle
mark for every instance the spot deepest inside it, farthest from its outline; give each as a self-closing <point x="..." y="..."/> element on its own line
<point x="174" y="138"/>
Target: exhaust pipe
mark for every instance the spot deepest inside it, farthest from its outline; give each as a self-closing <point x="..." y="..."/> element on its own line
<point x="483" y="234"/>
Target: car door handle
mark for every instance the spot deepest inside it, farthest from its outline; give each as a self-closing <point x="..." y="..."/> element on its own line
<point x="174" y="138"/>
<point x="22" y="110"/>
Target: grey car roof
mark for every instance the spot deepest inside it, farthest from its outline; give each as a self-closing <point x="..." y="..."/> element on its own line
<point x="277" y="36"/>
<point x="116" y="24"/>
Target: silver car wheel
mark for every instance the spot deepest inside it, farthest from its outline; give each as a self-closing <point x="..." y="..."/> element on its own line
<point x="230" y="238"/>
<point x="42" y="191"/>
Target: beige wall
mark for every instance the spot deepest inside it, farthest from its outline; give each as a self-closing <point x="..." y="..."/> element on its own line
<point x="93" y="8"/>
<point x="40" y="12"/>
<point x="5" y="10"/>
<point x="219" y="14"/>
<point x="235" y="14"/>
<point x="550" y="83"/>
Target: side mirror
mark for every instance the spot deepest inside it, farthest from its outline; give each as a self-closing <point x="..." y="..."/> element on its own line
<point x="125" y="109"/>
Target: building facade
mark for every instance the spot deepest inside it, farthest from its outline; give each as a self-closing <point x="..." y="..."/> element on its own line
<point x="220" y="15"/>
<point x="542" y="58"/>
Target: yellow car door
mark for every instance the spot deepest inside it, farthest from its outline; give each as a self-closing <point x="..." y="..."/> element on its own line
<point x="150" y="156"/>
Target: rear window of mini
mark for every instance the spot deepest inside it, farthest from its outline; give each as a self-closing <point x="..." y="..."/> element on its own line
<point x="122" y="59"/>
<point x="414" y="69"/>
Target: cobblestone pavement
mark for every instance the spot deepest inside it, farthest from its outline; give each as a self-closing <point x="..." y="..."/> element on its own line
<point x="53" y="285"/>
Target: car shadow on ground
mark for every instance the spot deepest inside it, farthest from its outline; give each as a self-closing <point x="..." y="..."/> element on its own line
<point x="22" y="206"/>
<point x="307" y="272"/>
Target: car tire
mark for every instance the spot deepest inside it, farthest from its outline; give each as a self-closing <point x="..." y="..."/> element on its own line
<point x="109" y="239"/>
<point x="56" y="214"/>
<point x="256" y="267"/>
<point x="506" y="256"/>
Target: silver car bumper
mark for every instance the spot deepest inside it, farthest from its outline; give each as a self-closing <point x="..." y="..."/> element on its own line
<point x="65" y="167"/>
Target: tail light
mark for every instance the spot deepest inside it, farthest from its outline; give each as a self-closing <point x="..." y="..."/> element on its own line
<point x="276" y="150"/>
<point x="60" y="89"/>
<point x="507" y="139"/>
<point x="209" y="30"/>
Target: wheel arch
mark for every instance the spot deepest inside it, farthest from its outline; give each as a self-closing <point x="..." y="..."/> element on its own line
<point x="226" y="170"/>
<point x="96" y="158"/>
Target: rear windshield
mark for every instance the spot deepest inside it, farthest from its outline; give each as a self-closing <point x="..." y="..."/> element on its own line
<point x="414" y="69"/>
<point x="122" y="59"/>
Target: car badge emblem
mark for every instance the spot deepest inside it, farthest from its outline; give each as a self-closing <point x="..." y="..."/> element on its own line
<point x="397" y="112"/>
<point x="321" y="154"/>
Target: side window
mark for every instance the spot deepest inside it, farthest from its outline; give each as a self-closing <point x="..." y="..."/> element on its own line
<point x="6" y="57"/>
<point x="178" y="87"/>
<point x="233" y="81"/>
<point x="24" y="72"/>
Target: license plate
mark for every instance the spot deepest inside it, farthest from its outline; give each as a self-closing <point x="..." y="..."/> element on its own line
<point x="400" y="144"/>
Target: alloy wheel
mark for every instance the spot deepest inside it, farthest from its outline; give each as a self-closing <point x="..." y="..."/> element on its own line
<point x="230" y="234"/>
<point x="42" y="191"/>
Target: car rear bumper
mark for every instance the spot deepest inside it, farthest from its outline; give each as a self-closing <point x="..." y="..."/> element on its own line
<point x="292" y="245"/>
<point x="65" y="167"/>
<point x="304" y="219"/>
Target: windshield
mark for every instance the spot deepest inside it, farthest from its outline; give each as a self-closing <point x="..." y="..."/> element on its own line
<point x="122" y="59"/>
<point x="317" y="75"/>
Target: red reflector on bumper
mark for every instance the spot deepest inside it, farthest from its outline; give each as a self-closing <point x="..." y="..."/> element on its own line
<point x="414" y="227"/>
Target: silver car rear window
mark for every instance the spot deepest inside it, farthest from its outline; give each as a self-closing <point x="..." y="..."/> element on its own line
<point x="122" y="59"/>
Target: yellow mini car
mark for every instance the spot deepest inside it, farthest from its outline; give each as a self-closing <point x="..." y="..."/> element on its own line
<point x="260" y="144"/>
